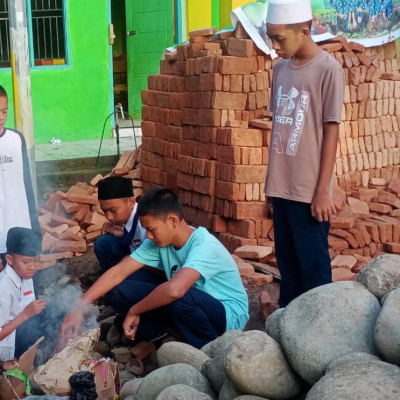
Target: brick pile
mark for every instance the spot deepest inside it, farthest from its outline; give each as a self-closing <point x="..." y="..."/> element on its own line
<point x="197" y="138"/>
<point x="73" y="220"/>
<point x="208" y="137"/>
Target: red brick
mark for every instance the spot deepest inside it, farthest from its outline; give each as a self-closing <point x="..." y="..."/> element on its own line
<point x="244" y="267"/>
<point x="241" y="173"/>
<point x="209" y="117"/>
<point x="254" y="252"/>
<point x="228" y="101"/>
<point x="219" y="224"/>
<point x="244" y="228"/>
<point x="259" y="279"/>
<point x="143" y="349"/>
<point x="227" y="190"/>
<point x="246" y="210"/>
<point x="392" y="247"/>
<point x="44" y="258"/>
<point x="241" y="47"/>
<point x="344" y="261"/>
<point x="240" y="137"/>
<point x="266" y="306"/>
<point x="207" y="150"/>
<point x="185" y="181"/>
<point x="235" y="65"/>
<point x="342" y="274"/>
<point x="204" y="185"/>
<point x="69" y="245"/>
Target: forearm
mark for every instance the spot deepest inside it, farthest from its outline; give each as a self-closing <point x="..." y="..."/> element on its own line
<point x="11" y="326"/>
<point x="328" y="156"/>
<point x="109" y="280"/>
<point x="162" y="295"/>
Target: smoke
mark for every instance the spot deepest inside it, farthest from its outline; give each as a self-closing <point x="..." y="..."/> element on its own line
<point x="60" y="297"/>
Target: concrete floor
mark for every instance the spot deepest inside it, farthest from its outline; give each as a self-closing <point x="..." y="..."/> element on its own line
<point x="88" y="148"/>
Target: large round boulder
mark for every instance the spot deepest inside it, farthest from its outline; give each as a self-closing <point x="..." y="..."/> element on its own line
<point x="370" y="380"/>
<point x="228" y="391"/>
<point x="130" y="388"/>
<point x="213" y="370"/>
<point x="250" y="397"/>
<point x="182" y="392"/>
<point x="351" y="359"/>
<point x="155" y="382"/>
<point x="178" y="352"/>
<point x="328" y="322"/>
<point x="387" y="328"/>
<point x="256" y="365"/>
<point x="381" y="275"/>
<point x="272" y="324"/>
<point x="221" y="344"/>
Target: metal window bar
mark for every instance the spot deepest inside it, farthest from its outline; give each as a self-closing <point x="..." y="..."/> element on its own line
<point x="48" y="29"/>
<point x="5" y="57"/>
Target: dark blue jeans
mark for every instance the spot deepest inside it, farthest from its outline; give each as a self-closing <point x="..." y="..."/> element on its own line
<point x="301" y="249"/>
<point x="110" y="250"/>
<point x="199" y="317"/>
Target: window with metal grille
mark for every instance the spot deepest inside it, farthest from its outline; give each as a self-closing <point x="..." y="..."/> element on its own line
<point x="47" y="32"/>
<point x="5" y="57"/>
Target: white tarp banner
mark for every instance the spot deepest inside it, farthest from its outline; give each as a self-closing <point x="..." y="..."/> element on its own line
<point x="369" y="22"/>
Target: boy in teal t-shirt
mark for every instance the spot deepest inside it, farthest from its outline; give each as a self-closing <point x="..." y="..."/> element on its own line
<point x="202" y="293"/>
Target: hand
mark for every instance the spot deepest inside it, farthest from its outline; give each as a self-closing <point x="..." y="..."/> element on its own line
<point x="322" y="207"/>
<point x="10" y="364"/>
<point x="115" y="230"/>
<point x="34" y="308"/>
<point x="1" y="265"/>
<point x="130" y="325"/>
<point x="72" y="323"/>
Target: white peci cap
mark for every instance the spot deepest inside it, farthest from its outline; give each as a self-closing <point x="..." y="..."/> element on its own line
<point x="282" y="12"/>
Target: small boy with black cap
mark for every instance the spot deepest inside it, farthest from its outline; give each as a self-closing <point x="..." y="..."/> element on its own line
<point x="18" y="304"/>
<point x="123" y="233"/>
<point x="307" y="96"/>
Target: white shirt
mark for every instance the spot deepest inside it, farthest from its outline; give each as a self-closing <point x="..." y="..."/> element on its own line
<point x="15" y="294"/>
<point x="140" y="233"/>
<point x="14" y="209"/>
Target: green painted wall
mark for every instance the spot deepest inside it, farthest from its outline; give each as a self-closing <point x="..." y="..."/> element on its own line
<point x="153" y="22"/>
<point x="72" y="102"/>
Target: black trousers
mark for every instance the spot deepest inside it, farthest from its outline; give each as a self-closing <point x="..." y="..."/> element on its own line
<point x="301" y="249"/>
<point x="199" y="317"/>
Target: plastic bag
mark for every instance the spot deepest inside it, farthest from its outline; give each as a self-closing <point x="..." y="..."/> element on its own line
<point x="82" y="386"/>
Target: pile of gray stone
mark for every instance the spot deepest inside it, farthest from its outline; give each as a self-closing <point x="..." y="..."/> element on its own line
<point x="336" y="342"/>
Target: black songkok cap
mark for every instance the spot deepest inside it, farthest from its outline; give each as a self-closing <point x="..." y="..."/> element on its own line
<point x="24" y="241"/>
<point x="115" y="187"/>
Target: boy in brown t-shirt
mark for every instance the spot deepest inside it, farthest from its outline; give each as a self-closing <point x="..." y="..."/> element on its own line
<point x="306" y="100"/>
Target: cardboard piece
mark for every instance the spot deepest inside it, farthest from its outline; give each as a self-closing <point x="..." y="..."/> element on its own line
<point x="13" y="388"/>
<point x="106" y="378"/>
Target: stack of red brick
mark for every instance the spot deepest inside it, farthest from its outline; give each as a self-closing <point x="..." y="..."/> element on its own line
<point x="196" y="134"/>
<point x="72" y="221"/>
<point x="369" y="135"/>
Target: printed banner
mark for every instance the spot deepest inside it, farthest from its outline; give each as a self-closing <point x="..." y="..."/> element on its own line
<point x="369" y="22"/>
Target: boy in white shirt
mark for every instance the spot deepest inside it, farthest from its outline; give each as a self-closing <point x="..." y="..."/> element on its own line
<point x="17" y="297"/>
<point x="17" y="203"/>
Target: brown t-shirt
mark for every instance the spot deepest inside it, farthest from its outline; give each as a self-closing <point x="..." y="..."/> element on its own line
<point x="302" y="99"/>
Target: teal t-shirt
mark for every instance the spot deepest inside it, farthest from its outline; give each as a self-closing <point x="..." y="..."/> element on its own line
<point x="219" y="273"/>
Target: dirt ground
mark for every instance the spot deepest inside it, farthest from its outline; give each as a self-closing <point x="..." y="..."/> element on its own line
<point x="85" y="270"/>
